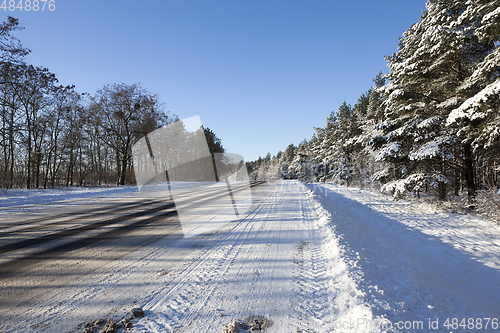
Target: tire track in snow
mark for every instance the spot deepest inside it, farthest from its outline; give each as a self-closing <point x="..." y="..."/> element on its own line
<point x="205" y="270"/>
<point x="248" y="269"/>
<point x="312" y="280"/>
<point x="333" y="278"/>
<point x="267" y="260"/>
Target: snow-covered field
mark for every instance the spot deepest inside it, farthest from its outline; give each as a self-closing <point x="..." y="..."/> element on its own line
<point x="307" y="258"/>
<point x="22" y="197"/>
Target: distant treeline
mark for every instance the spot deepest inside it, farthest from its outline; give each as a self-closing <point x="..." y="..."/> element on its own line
<point x="432" y="124"/>
<point x="51" y="135"/>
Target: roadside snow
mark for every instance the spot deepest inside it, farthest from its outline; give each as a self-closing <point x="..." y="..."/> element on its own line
<point x="471" y="234"/>
<point x="18" y="197"/>
<point x="22" y="197"/>
<point x="416" y="264"/>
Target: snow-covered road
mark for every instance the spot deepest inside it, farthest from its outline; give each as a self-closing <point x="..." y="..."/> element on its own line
<point x="305" y="258"/>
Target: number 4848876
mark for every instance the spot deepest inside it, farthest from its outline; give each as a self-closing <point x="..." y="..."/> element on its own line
<point x="28" y="5"/>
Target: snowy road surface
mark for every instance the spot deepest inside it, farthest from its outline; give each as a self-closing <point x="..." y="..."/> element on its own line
<point x="308" y="258"/>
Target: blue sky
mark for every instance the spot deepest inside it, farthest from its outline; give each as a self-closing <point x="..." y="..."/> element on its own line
<point x="260" y="74"/>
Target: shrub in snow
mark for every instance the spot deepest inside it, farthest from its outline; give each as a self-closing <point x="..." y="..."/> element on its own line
<point x="488" y="204"/>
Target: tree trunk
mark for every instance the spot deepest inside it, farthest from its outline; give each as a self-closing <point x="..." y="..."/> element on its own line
<point x="28" y="168"/>
<point x="47" y="169"/>
<point x="5" y="152"/>
<point x="442" y="191"/>
<point x="11" y="145"/>
<point x="38" y="163"/>
<point x="123" y="169"/>
<point x="215" y="168"/>
<point x="469" y="173"/>
<point x="456" y="183"/>
<point x="69" y="179"/>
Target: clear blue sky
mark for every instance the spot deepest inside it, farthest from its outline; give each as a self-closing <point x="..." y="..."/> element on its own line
<point x="260" y="73"/>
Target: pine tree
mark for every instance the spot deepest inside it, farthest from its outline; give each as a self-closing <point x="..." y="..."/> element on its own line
<point x="434" y="59"/>
<point x="477" y="119"/>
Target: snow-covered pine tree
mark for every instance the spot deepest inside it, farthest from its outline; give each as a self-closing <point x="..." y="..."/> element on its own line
<point x="361" y="159"/>
<point x="285" y="160"/>
<point x="345" y="145"/>
<point x="434" y="58"/>
<point x="321" y="148"/>
<point x="374" y="110"/>
<point x="336" y="149"/>
<point x="317" y="154"/>
<point x="299" y="166"/>
<point x="478" y="117"/>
